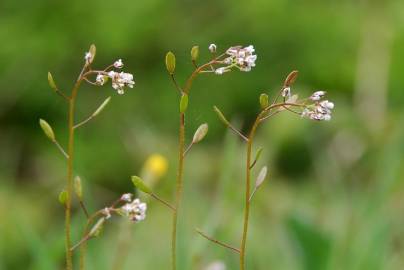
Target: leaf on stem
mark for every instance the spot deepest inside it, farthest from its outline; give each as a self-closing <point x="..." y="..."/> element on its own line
<point x="139" y="184"/>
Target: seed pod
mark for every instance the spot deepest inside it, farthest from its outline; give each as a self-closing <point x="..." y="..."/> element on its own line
<point x="291" y="78"/>
<point x="97" y="228"/>
<point x="264" y="101"/>
<point x="195" y="53"/>
<point x="51" y="82"/>
<point x="139" y="184"/>
<point x="261" y="176"/>
<point x="221" y="116"/>
<point x="92" y="51"/>
<point x="78" y="189"/>
<point x="47" y="129"/>
<point x="257" y="156"/>
<point x="200" y="133"/>
<point x="102" y="106"/>
<point x="183" y="103"/>
<point x="62" y="197"/>
<point x="170" y="62"/>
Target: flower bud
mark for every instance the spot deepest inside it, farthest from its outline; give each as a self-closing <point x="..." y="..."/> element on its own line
<point x="47" y="129"/>
<point x="78" y="187"/>
<point x="261" y="176"/>
<point x="194" y="53"/>
<point x="97" y="228"/>
<point x="170" y="62"/>
<point x="183" y="103"/>
<point x="264" y="101"/>
<point x="139" y="184"/>
<point x="221" y="116"/>
<point x="102" y="106"/>
<point x="62" y="197"/>
<point x="200" y="133"/>
<point x="51" y="82"/>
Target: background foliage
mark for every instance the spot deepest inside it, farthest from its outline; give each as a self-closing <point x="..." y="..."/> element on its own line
<point x="336" y="189"/>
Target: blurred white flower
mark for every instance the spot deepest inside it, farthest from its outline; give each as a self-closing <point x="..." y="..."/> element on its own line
<point x="135" y="210"/>
<point x="212" y="48"/>
<point x="121" y="80"/>
<point x="320" y="110"/>
<point x="87" y="56"/>
<point x="216" y="265"/>
<point x="243" y="58"/>
<point x="100" y="80"/>
<point x="118" y="63"/>
<point x="286" y="92"/>
<point x="220" y="71"/>
<point x="127" y="197"/>
<point x="317" y="95"/>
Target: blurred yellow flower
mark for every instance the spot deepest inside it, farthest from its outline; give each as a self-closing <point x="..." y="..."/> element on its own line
<point x="156" y="165"/>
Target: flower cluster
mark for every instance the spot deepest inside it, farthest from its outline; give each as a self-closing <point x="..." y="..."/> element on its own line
<point x="135" y="210"/>
<point x="320" y="109"/>
<point x="239" y="57"/>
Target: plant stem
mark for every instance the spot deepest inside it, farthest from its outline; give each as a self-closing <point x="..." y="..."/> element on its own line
<point x="247" y="191"/>
<point x="179" y="189"/>
<point x="69" y="189"/>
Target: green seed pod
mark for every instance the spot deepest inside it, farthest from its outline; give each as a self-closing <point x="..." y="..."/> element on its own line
<point x="170" y="62"/>
<point x="78" y="189"/>
<point x="264" y="101"/>
<point x="97" y="228"/>
<point x="291" y="78"/>
<point x="221" y="116"/>
<point x="139" y="184"/>
<point x="195" y="53"/>
<point x="183" y="103"/>
<point x="51" y="82"/>
<point x="62" y="197"/>
<point x="258" y="155"/>
<point x="200" y="133"/>
<point x="47" y="129"/>
<point x="92" y="51"/>
<point x="102" y="106"/>
<point x="261" y="177"/>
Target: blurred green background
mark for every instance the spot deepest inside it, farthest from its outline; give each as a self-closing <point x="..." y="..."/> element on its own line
<point x="335" y="198"/>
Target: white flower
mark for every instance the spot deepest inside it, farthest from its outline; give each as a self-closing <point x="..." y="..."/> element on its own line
<point x="216" y="265"/>
<point x="120" y="80"/>
<point x="286" y="92"/>
<point x="88" y="56"/>
<point x="212" y="48"/>
<point x="100" y="80"/>
<point x="118" y="63"/>
<point x="127" y="197"/>
<point x="220" y="71"/>
<point x="317" y="95"/>
<point x="135" y="211"/>
<point x="242" y="57"/>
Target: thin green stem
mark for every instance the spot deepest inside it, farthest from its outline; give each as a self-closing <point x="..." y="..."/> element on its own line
<point x="247" y="192"/>
<point x="69" y="189"/>
<point x="179" y="190"/>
